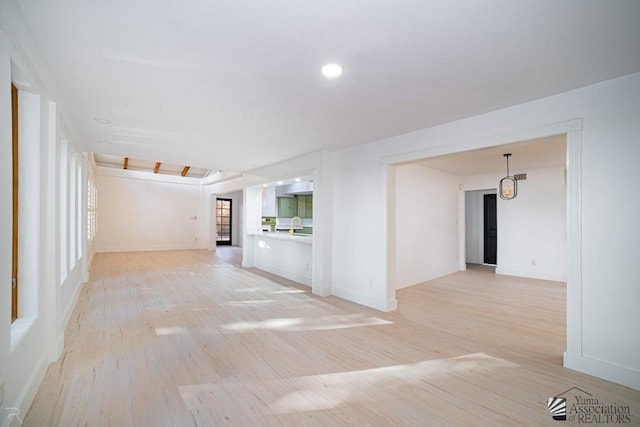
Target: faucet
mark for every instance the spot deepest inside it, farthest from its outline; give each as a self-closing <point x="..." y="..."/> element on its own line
<point x="299" y="222"/>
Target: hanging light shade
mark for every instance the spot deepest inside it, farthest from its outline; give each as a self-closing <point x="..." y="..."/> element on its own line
<point x="508" y="184"/>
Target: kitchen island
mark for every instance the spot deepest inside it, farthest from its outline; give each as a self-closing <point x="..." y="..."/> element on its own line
<point x="281" y="253"/>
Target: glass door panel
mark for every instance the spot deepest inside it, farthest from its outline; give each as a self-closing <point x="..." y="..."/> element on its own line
<point x="223" y="221"/>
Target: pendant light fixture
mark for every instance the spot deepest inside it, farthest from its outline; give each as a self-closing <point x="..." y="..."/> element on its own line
<point x="508" y="184"/>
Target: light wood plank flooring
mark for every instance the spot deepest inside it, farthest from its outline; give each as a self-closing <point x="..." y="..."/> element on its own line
<point x="187" y="338"/>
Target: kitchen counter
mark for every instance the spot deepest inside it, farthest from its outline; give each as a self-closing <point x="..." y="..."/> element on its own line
<point x="279" y="252"/>
<point x="284" y="235"/>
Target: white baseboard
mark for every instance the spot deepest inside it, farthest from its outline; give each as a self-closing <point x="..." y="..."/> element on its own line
<point x="601" y="369"/>
<point x="27" y="393"/>
<point x="417" y="279"/>
<point x="392" y="305"/>
<point x="325" y="291"/>
<point x="68" y="310"/>
<point x="531" y="274"/>
<point x="366" y="300"/>
<point x="60" y="346"/>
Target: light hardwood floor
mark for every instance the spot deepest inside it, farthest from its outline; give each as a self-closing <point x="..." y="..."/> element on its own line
<point x="187" y="338"/>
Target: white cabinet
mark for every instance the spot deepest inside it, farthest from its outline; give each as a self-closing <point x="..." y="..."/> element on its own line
<point x="269" y="201"/>
<point x="284" y="255"/>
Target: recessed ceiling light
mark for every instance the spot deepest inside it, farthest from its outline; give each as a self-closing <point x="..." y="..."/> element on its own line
<point x="265" y="185"/>
<point x="331" y="71"/>
<point x="102" y="120"/>
<point x="298" y="179"/>
<point x="279" y="182"/>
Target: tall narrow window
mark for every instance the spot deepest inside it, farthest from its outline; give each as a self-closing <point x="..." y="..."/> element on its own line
<point x="92" y="199"/>
<point x="63" y="217"/>
<point x="72" y="211"/>
<point x="14" y="150"/>
<point x="79" y="213"/>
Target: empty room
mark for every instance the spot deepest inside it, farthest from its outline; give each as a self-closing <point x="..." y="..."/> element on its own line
<point x="319" y="213"/>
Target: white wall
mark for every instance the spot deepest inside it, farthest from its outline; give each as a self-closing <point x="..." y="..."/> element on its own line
<point x="472" y="217"/>
<point x="359" y="256"/>
<point x="35" y="339"/>
<point x="5" y="205"/>
<point x="426" y="229"/>
<point x="138" y="211"/>
<point x="269" y="204"/>
<point x="602" y="224"/>
<point x="532" y="227"/>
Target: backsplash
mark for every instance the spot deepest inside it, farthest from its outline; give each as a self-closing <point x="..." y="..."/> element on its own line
<point x="271" y="223"/>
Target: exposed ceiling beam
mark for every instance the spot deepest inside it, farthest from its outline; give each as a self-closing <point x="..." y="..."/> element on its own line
<point x="126" y="163"/>
<point x="157" y="168"/>
<point x="185" y="170"/>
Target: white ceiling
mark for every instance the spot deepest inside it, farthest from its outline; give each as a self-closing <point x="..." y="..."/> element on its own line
<point x="537" y="153"/>
<point x="234" y="85"/>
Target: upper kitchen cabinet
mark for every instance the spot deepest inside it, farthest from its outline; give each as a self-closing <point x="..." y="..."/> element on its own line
<point x="287" y="207"/>
<point x="269" y="201"/>
<point x="305" y="206"/>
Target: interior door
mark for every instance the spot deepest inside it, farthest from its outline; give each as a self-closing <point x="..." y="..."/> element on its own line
<point x="223" y="221"/>
<point x="14" y="149"/>
<point x="490" y="230"/>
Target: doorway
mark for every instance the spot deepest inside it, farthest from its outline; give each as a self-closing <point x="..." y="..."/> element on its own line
<point x="518" y="256"/>
<point x="481" y="227"/>
<point x="223" y="221"/>
<point x="490" y="230"/>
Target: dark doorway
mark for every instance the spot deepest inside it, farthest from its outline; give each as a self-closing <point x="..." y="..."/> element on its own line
<point x="490" y="230"/>
<point x="223" y="221"/>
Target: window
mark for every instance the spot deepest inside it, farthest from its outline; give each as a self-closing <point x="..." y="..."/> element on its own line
<point x="92" y="204"/>
<point x="63" y="218"/>
<point x="72" y="211"/>
<point x="14" y="239"/>
<point x="79" y="207"/>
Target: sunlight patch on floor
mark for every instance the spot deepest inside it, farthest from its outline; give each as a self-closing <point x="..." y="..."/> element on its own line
<point x="324" y="323"/>
<point x="326" y="391"/>
<point x="171" y="330"/>
<point x="261" y="325"/>
<point x="291" y="291"/>
<point x="249" y="302"/>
